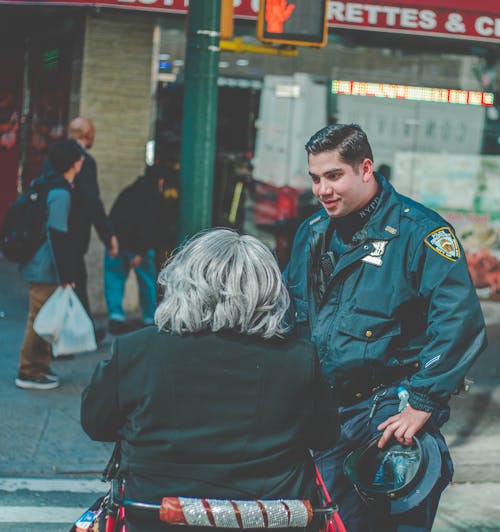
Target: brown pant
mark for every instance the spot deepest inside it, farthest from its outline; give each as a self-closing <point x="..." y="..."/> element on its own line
<point x="36" y="354"/>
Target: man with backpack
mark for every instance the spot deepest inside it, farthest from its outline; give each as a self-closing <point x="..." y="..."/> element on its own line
<point x="52" y="265"/>
<point x="87" y="209"/>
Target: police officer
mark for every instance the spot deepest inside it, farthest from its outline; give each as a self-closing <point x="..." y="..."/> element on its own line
<point x="380" y="284"/>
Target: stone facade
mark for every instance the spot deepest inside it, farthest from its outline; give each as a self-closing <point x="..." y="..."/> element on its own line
<point x="116" y="96"/>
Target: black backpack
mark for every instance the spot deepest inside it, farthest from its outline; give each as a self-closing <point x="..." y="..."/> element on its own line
<point x="23" y="230"/>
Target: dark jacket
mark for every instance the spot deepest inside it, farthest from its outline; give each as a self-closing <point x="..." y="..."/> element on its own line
<point x="136" y="216"/>
<point x="87" y="208"/>
<point x="211" y="415"/>
<point x="396" y="304"/>
<point x="64" y="244"/>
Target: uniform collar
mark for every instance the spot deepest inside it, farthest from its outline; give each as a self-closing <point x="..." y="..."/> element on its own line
<point x="385" y="221"/>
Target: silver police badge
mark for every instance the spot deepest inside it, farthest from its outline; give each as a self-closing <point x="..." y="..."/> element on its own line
<point x="443" y="242"/>
<point x="375" y="257"/>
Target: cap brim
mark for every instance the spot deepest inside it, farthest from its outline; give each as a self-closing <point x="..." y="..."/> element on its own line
<point x="430" y="475"/>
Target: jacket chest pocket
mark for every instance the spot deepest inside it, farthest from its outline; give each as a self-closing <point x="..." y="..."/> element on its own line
<point x="364" y="337"/>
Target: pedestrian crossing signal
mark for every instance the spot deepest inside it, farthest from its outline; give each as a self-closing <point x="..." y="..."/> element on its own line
<point x="295" y="22"/>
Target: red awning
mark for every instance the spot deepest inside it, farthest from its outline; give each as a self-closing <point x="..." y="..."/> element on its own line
<point x="458" y="19"/>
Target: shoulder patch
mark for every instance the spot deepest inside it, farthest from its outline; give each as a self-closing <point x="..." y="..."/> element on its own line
<point x="443" y="242"/>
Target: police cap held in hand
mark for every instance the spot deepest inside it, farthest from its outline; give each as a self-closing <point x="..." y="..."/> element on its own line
<point x="397" y="478"/>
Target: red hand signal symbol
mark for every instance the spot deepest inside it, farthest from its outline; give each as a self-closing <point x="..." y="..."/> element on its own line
<point x="277" y="12"/>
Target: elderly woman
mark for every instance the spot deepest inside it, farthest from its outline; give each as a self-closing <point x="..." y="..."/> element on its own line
<point x="216" y="401"/>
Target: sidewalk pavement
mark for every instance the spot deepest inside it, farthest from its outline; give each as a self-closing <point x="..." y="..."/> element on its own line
<point x="41" y="435"/>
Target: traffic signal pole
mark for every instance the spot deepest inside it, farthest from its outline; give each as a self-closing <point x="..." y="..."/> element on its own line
<point x="199" y="117"/>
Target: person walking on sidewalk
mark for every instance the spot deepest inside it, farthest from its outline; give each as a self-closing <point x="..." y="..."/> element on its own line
<point x="52" y="265"/>
<point x="136" y="218"/>
<point x="380" y="284"/>
<point x="87" y="209"/>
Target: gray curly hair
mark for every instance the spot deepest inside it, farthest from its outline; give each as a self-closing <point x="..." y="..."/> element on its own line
<point x="222" y="280"/>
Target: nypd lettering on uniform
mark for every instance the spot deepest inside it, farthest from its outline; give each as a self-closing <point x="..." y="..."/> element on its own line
<point x="375" y="256"/>
<point x="443" y="242"/>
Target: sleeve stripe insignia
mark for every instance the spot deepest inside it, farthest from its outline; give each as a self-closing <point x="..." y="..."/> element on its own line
<point x="443" y="242"/>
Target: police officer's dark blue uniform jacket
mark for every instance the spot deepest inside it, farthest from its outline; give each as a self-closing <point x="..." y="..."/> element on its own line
<point x="399" y="302"/>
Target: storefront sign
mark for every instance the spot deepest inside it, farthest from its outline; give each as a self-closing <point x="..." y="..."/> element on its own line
<point x="414" y="18"/>
<point x="457" y="19"/>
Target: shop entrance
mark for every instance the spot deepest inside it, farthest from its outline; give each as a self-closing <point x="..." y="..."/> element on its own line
<point x="238" y="106"/>
<point x="11" y="82"/>
<point x="35" y="62"/>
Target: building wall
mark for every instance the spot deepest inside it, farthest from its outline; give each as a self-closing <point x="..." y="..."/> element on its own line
<point x="116" y="96"/>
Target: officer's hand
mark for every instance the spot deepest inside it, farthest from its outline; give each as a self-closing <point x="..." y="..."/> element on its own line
<point x="114" y="248"/>
<point x="403" y="426"/>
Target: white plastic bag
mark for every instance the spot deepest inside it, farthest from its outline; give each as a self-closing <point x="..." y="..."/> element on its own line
<point x="50" y="318"/>
<point x="74" y="333"/>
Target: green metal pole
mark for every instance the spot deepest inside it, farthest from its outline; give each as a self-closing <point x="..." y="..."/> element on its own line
<point x="199" y="116"/>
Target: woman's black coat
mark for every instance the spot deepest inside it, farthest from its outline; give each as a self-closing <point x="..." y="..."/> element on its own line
<point x="211" y="415"/>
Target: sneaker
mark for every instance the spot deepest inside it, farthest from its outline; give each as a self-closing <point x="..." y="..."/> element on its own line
<point x="37" y="383"/>
<point x="119" y="327"/>
<point x="65" y="356"/>
<point x="51" y="375"/>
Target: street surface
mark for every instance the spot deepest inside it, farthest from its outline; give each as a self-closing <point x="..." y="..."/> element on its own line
<point x="28" y="504"/>
<point x="50" y="470"/>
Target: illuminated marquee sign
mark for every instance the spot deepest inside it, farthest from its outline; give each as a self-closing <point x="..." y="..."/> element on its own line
<point x="407" y="92"/>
